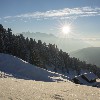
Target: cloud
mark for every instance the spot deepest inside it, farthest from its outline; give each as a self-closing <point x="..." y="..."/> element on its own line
<point x="7" y="17"/>
<point x="86" y="39"/>
<point x="25" y="21"/>
<point x="5" y="21"/>
<point x="65" y="13"/>
<point x="91" y="39"/>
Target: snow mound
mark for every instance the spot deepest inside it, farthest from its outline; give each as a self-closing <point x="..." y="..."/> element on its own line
<point x="19" y="68"/>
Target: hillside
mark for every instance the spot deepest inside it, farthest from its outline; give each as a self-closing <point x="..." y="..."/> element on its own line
<point x="23" y="70"/>
<point x="90" y="55"/>
<point x="11" y="66"/>
<point x="41" y="54"/>
<point x="20" y="80"/>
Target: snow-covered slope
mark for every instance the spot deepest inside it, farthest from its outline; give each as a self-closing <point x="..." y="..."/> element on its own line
<point x="19" y="68"/>
<point x="20" y="89"/>
<point x="15" y="67"/>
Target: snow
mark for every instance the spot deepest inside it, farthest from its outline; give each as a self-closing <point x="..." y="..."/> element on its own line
<point x="19" y="89"/>
<point x="20" y="80"/>
<point x="20" y="68"/>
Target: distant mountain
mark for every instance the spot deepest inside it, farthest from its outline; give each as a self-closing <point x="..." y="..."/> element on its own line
<point x="90" y="55"/>
<point x="66" y="44"/>
<point x="36" y="35"/>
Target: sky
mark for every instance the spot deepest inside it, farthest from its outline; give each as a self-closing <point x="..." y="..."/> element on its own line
<point x="49" y="16"/>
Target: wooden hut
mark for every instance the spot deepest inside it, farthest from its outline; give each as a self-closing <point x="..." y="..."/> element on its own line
<point x="85" y="79"/>
<point x="89" y="77"/>
<point x="79" y="80"/>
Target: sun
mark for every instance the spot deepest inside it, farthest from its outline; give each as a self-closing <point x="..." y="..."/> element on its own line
<point x="66" y="29"/>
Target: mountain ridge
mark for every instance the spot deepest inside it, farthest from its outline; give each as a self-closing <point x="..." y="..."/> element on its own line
<point x="90" y="55"/>
<point x="66" y="44"/>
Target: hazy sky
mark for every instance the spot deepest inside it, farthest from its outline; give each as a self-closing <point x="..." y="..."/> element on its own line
<point x="49" y="16"/>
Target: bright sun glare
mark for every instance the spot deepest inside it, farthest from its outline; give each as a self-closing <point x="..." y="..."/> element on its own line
<point x="66" y="29"/>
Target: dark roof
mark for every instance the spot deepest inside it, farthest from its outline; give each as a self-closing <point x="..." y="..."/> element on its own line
<point x="81" y="80"/>
<point x="90" y="76"/>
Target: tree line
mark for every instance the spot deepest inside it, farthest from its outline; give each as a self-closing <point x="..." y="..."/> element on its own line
<point x="41" y="54"/>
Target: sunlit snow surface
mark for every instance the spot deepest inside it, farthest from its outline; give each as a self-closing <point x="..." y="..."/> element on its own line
<point x="14" y="85"/>
<point x="19" y="89"/>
